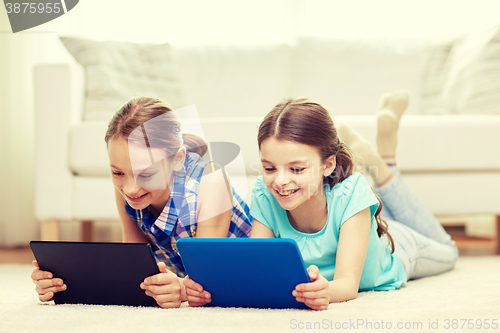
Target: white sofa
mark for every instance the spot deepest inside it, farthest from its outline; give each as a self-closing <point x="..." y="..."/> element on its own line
<point x="451" y="161"/>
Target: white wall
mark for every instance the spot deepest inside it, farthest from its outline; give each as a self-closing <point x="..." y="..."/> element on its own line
<point x="189" y="22"/>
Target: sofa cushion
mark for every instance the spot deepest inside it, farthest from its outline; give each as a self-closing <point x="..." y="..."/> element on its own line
<point x="349" y="76"/>
<point x="473" y="82"/>
<point x="435" y="68"/>
<point x="233" y="81"/>
<point x="118" y="71"/>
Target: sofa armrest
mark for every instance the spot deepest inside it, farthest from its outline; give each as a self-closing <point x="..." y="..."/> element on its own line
<point x="53" y="119"/>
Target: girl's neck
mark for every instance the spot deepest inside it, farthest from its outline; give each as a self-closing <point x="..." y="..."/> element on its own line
<point x="155" y="210"/>
<point x="311" y="216"/>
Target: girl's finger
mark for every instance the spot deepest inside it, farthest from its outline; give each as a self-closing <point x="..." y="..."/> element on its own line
<point x="162" y="288"/>
<point x="313" y="272"/>
<point x="46" y="297"/>
<point x="39" y="275"/>
<point x="162" y="278"/>
<point x="195" y="299"/>
<point x="169" y="305"/>
<point x="189" y="283"/>
<point x="315" y="301"/>
<point x="199" y="297"/>
<point x="194" y="304"/>
<point x="307" y="294"/>
<point x="50" y="290"/>
<point x="46" y="283"/>
<point x="311" y="286"/>
<point x="165" y="298"/>
<point x="198" y="301"/>
<point x="162" y="267"/>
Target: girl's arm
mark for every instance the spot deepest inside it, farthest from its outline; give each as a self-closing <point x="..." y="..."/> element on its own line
<point x="259" y="230"/>
<point x="351" y="254"/>
<point x="131" y="233"/>
<point x="214" y="205"/>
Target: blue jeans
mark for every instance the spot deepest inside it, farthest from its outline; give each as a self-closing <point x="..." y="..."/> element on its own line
<point x="423" y="245"/>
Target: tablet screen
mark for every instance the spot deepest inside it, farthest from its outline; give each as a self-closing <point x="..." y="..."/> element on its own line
<point x="244" y="272"/>
<point x="98" y="273"/>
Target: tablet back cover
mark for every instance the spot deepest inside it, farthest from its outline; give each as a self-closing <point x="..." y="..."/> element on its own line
<point x="98" y="273"/>
<point x="244" y="272"/>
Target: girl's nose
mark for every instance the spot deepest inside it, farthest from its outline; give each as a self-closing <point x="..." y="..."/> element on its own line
<point x="131" y="188"/>
<point x="281" y="178"/>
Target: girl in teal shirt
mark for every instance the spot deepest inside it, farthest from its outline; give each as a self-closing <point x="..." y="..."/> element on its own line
<point x="309" y="192"/>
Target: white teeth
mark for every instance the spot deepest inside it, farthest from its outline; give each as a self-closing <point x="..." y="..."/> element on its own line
<point x="287" y="192"/>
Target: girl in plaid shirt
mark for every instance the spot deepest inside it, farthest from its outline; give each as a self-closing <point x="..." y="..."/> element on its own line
<point x="162" y="196"/>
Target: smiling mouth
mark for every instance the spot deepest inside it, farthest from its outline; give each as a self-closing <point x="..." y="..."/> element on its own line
<point x="136" y="198"/>
<point x="287" y="192"/>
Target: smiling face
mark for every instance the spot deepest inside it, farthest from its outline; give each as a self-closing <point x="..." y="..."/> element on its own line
<point x="293" y="173"/>
<point x="142" y="176"/>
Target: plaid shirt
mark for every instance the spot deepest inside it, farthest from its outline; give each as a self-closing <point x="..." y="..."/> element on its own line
<point x="178" y="218"/>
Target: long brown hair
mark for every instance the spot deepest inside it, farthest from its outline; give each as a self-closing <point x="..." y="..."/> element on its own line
<point x="304" y="121"/>
<point x="164" y="133"/>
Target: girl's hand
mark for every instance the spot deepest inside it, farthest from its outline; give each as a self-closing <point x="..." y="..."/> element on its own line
<point x="46" y="286"/>
<point x="196" y="296"/>
<point x="164" y="287"/>
<point x="314" y="294"/>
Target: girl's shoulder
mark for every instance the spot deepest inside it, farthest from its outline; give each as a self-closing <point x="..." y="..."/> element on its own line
<point x="351" y="196"/>
<point x="260" y="189"/>
<point x="354" y="182"/>
<point x="262" y="197"/>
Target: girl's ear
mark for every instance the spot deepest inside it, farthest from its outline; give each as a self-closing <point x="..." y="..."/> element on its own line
<point x="330" y="164"/>
<point x="179" y="159"/>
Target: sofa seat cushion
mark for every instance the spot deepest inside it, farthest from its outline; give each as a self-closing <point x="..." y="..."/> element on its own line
<point x="441" y="142"/>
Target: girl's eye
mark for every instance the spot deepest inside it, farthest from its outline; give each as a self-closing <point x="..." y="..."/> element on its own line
<point x="269" y="169"/>
<point x="145" y="177"/>
<point x="115" y="173"/>
<point x="297" y="170"/>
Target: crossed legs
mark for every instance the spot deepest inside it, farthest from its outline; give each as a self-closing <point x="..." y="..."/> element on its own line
<point x="423" y="245"/>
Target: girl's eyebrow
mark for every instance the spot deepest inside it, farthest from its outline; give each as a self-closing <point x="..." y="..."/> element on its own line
<point x="294" y="162"/>
<point x="114" y="166"/>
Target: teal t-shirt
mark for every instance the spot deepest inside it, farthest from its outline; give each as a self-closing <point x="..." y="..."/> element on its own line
<point x="382" y="270"/>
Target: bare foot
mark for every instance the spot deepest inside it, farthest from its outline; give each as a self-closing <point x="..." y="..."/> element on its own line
<point x="389" y="111"/>
<point x="364" y="153"/>
<point x="359" y="145"/>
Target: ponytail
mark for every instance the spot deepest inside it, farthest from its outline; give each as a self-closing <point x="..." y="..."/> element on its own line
<point x="194" y="144"/>
<point x="382" y="226"/>
<point x="345" y="167"/>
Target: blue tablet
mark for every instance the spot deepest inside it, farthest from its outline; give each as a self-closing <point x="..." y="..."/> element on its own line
<point x="98" y="273"/>
<point x="245" y="272"/>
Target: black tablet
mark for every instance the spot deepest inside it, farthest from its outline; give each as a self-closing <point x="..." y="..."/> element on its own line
<point x="98" y="273"/>
<point x="246" y="272"/>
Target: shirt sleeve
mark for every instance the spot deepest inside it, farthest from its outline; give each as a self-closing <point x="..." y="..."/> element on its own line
<point x="261" y="207"/>
<point x="357" y="195"/>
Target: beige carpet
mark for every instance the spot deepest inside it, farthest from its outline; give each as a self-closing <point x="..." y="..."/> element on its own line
<point x="470" y="292"/>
